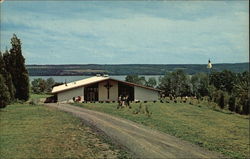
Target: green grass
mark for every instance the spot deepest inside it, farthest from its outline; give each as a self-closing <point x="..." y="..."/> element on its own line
<point x="213" y="129"/>
<point x="38" y="96"/>
<point x="42" y="132"/>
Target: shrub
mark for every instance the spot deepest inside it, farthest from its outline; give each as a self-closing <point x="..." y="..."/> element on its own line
<point x="231" y="104"/>
<point x="237" y="108"/>
<point x="4" y="93"/>
<point x="148" y="113"/>
<point x="221" y="100"/>
<point x="245" y="108"/>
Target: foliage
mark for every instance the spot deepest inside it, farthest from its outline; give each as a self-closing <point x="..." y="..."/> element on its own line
<point x="218" y="86"/>
<point x="231" y="103"/>
<point x="151" y="82"/>
<point x="241" y="89"/>
<point x="224" y="80"/>
<point x="50" y="82"/>
<point x="40" y="85"/>
<point x="4" y="93"/>
<point x="135" y="79"/>
<point x="7" y="77"/>
<point x="200" y="84"/>
<point x="15" y="65"/>
<point x="246" y="107"/>
<point x="221" y="100"/>
<point x="176" y="83"/>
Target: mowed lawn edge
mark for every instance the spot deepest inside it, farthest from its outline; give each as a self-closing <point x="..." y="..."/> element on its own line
<point x="215" y="130"/>
<point x="41" y="132"/>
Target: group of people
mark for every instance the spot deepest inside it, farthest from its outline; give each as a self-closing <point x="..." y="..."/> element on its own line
<point x="123" y="101"/>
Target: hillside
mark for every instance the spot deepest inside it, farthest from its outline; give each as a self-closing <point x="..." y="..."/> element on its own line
<point x="125" y="69"/>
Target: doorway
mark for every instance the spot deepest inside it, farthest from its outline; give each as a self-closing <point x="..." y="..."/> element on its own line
<point x="91" y="92"/>
<point x="124" y="90"/>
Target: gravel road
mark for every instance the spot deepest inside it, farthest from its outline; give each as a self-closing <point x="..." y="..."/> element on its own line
<point x="143" y="142"/>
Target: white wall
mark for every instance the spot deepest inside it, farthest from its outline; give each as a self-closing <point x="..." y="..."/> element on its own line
<point x="66" y="96"/>
<point x="103" y="92"/>
<point x="143" y="94"/>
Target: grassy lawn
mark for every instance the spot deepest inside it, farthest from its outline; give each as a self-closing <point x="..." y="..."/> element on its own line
<point x="38" y="96"/>
<point x="41" y="132"/>
<point x="215" y="130"/>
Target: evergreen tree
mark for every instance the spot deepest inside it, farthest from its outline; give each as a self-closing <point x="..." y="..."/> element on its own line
<point x="16" y="67"/>
<point x="4" y="93"/>
<point x="6" y="75"/>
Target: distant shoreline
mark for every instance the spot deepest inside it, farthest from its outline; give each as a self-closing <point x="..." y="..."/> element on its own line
<point x="126" y="69"/>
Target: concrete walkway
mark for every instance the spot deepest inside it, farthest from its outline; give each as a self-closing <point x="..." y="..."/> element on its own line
<point x="140" y="140"/>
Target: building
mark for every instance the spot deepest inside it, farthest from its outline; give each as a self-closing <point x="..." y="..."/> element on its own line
<point x="104" y="88"/>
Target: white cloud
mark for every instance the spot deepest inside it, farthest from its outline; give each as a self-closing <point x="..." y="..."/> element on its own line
<point x="132" y="36"/>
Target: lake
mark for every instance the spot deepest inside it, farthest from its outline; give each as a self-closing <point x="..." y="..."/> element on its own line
<point x="75" y="78"/>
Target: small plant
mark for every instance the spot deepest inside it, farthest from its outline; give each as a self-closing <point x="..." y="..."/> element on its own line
<point x="148" y="113"/>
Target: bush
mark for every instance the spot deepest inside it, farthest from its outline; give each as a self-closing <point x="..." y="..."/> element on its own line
<point x="221" y="100"/>
<point x="245" y="108"/>
<point x="231" y="104"/>
<point x="238" y="108"/>
<point x="4" y="93"/>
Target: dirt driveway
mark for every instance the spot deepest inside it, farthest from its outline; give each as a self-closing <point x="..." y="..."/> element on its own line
<point x="140" y="140"/>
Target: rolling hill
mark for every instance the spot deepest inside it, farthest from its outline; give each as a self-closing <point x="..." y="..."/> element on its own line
<point x="125" y="69"/>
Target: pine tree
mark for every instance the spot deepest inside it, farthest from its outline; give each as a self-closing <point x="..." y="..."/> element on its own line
<point x="4" y="93"/>
<point x="16" y="66"/>
<point x="7" y="76"/>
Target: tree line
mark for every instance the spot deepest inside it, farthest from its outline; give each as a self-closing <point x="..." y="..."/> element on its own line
<point x="14" y="78"/>
<point x="227" y="89"/>
<point x="126" y="69"/>
<point x="41" y="86"/>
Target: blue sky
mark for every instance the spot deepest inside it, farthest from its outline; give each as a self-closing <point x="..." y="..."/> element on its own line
<point x="128" y="32"/>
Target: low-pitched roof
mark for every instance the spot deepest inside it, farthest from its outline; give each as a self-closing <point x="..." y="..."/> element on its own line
<point x="89" y="81"/>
